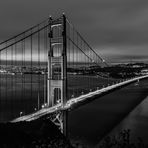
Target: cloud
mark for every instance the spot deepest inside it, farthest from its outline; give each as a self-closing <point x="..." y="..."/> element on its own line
<point x="107" y="24"/>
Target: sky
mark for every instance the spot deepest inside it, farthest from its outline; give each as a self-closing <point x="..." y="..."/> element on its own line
<point x="116" y="29"/>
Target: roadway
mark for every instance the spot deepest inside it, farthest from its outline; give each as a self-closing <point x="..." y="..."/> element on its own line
<point x="73" y="101"/>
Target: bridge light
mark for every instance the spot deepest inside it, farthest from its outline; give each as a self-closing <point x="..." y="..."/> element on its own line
<point x="56" y="43"/>
<point x="21" y="114"/>
<point x="56" y="25"/>
<point x="43" y="106"/>
<point x="58" y="101"/>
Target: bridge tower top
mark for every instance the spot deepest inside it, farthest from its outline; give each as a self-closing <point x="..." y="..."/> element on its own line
<point x="57" y="62"/>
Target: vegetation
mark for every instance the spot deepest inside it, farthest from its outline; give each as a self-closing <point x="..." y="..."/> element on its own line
<point x="35" y="134"/>
<point x="122" y="140"/>
<point x="44" y="134"/>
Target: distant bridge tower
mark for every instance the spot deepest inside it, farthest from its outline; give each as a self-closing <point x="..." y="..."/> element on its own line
<point x="57" y="65"/>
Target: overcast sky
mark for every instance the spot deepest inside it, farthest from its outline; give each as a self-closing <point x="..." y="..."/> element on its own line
<point x="114" y="28"/>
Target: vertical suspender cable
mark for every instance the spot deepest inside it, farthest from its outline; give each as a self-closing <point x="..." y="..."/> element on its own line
<point x="44" y="32"/>
<point x="6" y="67"/>
<point x="39" y="69"/>
<point x="58" y="67"/>
<point x="77" y="63"/>
<point x="11" y="79"/>
<point x="46" y="39"/>
<point x="21" y="68"/>
<point x="24" y="68"/>
<point x="31" y="65"/>
<point x="0" y="83"/>
<point x="73" y="60"/>
<point x="15" y="52"/>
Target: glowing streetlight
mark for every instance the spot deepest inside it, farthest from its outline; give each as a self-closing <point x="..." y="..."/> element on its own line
<point x="21" y="114"/>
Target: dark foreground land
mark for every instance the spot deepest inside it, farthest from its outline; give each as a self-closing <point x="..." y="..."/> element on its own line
<point x="35" y="134"/>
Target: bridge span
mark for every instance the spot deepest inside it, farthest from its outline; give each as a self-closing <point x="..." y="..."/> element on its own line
<point x="70" y="103"/>
<point x="50" y="63"/>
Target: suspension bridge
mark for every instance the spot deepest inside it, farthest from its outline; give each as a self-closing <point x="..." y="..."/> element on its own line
<point x="48" y="69"/>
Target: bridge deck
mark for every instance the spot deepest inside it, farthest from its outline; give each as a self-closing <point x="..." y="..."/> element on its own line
<point x="71" y="102"/>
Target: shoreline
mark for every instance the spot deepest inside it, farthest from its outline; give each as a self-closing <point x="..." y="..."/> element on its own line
<point x="136" y="121"/>
<point x="113" y="131"/>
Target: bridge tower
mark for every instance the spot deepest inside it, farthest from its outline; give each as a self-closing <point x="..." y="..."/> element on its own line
<point x="57" y="65"/>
